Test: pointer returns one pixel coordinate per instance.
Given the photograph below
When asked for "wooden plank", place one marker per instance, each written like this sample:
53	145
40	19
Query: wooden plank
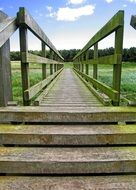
113	94
46	91
120	182
31	58
116	21
32	91
67	135
69	91
5	69
104	101
7	28
106	60
68	114
5	75
133	21
68	160
24	18
3	16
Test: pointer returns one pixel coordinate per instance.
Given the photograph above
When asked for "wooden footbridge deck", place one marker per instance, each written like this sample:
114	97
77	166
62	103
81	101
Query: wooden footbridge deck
69	91
75	136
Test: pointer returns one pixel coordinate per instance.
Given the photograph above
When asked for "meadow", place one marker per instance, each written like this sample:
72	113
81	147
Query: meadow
128	82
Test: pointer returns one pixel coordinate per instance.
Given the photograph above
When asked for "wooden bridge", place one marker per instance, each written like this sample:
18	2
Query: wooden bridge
75	135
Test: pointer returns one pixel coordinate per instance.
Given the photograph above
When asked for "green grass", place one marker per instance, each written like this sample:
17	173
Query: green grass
128	82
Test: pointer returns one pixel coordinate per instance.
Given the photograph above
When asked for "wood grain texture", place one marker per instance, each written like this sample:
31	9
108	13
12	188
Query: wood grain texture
7	28
5	75
117	182
110	92
31	58
46	91
69	91
32	91
104	100
106	60
60	134
68	114
68	160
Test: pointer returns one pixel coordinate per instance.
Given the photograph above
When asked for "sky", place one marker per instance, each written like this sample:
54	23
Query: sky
70	24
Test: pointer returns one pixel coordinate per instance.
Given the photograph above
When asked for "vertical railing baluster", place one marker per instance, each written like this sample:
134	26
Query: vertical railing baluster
44	67
51	65
24	66
117	67
95	67
82	58
87	65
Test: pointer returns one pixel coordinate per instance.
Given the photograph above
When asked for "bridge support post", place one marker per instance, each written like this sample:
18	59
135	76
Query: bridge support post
87	65
44	69
95	69
24	66
51	65
5	70
117	67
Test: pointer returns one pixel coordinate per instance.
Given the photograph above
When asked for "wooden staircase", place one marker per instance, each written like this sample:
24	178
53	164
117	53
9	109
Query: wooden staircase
67	155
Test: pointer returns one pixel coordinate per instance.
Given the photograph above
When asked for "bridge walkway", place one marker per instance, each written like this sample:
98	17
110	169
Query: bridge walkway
69	91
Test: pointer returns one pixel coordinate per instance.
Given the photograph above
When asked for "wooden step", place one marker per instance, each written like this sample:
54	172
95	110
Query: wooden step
67	134
68	114
68	160
126	182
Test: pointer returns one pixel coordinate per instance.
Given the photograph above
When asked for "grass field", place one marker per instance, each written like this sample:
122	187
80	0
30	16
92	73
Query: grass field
128	82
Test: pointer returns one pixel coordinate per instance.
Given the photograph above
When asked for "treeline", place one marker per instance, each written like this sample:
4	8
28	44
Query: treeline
128	54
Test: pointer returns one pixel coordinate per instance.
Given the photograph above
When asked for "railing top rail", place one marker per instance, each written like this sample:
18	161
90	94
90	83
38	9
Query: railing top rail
24	18
115	22
7	27
133	21
3	16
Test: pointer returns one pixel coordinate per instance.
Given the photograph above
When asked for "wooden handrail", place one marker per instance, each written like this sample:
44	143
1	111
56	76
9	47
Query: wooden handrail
25	22
116	21
31	58
116	24
7	28
25	19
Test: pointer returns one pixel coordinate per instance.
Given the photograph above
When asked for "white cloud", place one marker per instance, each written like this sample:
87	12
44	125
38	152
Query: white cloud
72	14
1	9
132	1
49	8
76	2
124	5
109	1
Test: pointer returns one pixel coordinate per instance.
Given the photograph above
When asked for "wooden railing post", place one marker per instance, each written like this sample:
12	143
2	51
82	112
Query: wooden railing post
24	66
87	65
5	70
55	67
82	59
117	67
44	69
51	65
95	68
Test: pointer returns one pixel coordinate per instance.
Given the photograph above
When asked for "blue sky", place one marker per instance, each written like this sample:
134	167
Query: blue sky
71	23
